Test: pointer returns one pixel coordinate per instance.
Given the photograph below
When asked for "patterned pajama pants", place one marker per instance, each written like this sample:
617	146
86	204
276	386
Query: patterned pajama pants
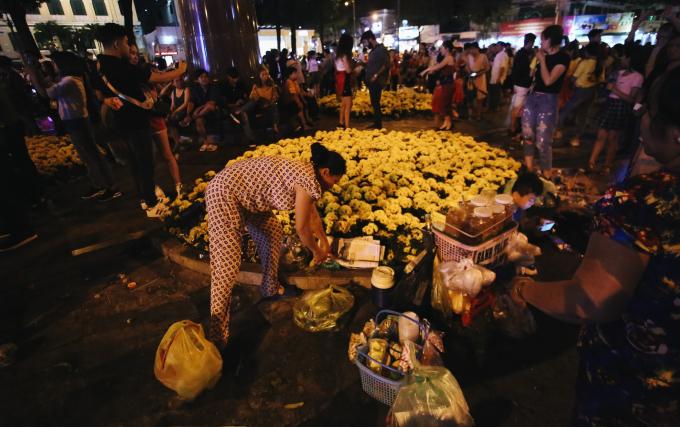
226	220
538	125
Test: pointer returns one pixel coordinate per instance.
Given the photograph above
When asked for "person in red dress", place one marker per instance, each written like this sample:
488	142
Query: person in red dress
443	93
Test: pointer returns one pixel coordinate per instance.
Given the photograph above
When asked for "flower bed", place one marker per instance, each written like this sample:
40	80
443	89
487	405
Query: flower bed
405	101
393	179
53	156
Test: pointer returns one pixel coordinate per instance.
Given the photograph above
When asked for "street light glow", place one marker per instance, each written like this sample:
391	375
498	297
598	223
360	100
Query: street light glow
375	16
346	3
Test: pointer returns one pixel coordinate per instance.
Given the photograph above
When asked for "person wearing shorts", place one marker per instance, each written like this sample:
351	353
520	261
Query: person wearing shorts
617	111
521	76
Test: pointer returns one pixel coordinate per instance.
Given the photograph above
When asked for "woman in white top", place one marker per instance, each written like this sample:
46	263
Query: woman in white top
313	80
343	73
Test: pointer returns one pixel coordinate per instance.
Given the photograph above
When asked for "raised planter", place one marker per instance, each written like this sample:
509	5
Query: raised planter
251	274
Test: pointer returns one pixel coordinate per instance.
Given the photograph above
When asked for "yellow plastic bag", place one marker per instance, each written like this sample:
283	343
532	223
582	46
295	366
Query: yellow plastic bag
186	361
320	310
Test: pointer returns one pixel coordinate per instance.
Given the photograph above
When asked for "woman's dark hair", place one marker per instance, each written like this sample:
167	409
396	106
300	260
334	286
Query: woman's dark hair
69	63
448	45
593	50
554	33
345	45
527	183
322	157
199	72
290	71
258	81
637	58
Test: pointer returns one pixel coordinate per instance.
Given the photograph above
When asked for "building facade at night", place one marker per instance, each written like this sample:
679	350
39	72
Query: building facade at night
68	13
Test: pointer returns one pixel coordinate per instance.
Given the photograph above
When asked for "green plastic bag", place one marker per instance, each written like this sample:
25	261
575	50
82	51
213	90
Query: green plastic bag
431	398
320	310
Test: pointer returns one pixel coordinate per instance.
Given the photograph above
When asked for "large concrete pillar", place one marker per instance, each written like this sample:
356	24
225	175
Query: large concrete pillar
219	34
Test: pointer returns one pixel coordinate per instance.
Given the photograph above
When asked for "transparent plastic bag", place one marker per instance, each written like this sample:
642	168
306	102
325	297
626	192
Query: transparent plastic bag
186	361
431	398
440	299
465	276
320	310
513	320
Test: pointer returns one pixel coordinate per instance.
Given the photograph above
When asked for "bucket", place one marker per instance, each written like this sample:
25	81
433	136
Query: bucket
382	282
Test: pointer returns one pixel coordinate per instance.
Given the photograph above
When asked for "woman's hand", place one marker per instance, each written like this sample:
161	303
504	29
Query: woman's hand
113	103
321	253
540	55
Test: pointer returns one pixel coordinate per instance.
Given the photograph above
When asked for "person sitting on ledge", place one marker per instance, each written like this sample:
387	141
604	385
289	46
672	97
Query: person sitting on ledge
204	110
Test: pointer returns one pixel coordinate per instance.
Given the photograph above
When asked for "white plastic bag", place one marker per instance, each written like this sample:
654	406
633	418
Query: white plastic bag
465	276
520	251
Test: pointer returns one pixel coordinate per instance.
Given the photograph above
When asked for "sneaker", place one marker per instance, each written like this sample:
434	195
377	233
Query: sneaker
109	195
17	242
92	194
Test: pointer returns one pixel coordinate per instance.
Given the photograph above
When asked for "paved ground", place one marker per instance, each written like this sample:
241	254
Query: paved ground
86	343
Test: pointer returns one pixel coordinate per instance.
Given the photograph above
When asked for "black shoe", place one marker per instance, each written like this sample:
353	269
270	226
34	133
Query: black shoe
374	126
109	195
15	242
93	193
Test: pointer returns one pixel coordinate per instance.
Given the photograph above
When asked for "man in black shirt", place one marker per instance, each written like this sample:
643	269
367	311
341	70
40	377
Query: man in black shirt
377	69
121	84
235	91
521	77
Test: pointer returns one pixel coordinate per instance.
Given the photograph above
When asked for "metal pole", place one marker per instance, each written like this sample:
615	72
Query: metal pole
354	18
398	21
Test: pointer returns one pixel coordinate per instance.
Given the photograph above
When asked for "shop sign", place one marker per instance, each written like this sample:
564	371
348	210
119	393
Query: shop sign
167	49
408	33
619	23
520	28
583	24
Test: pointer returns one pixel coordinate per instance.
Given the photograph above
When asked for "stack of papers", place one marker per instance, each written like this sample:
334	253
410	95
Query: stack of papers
358	252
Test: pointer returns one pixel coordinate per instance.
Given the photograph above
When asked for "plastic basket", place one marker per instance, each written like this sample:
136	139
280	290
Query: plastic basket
381	388
490	253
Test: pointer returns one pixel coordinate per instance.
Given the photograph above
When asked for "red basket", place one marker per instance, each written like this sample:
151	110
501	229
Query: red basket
489	254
